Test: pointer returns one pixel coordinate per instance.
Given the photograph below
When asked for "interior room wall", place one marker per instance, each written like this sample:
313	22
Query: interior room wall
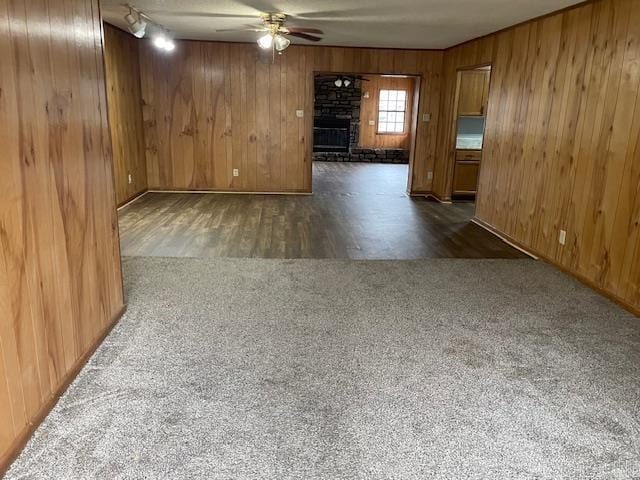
124	97
60	278
210	108
369	136
562	140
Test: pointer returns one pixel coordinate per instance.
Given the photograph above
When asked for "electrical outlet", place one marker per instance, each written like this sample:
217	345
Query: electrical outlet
429	175
236	172
299	113
426	117
130	179
372	123
563	237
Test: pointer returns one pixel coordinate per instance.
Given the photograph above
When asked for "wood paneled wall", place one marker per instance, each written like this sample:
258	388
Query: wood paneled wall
60	279
369	136
210	108
122	70
562	147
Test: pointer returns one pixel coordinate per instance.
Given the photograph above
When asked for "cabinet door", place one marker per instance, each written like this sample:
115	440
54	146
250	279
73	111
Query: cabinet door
465	178
474	88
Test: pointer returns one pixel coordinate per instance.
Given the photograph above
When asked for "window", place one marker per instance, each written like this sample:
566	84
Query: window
391	111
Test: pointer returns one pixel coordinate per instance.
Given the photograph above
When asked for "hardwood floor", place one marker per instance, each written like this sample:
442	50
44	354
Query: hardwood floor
358	211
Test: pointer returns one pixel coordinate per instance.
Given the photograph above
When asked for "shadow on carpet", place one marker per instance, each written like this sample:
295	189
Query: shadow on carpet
322	369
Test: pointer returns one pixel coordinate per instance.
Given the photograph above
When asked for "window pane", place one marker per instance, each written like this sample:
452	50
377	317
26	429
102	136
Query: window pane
391	111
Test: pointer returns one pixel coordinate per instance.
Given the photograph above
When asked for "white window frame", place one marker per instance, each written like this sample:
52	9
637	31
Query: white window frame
392	111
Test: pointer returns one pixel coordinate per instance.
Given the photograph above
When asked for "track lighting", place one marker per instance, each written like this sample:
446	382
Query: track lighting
136	25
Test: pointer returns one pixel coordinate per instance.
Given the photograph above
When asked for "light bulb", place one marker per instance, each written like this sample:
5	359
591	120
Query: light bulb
265	41
164	43
338	83
346	82
281	42
159	42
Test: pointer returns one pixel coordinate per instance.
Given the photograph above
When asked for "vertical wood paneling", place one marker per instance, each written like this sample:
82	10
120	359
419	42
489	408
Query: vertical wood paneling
562	139
124	95
369	138
60	279
253	112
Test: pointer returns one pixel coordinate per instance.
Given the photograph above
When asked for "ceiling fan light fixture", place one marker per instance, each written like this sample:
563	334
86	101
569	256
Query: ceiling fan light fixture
281	42
266	41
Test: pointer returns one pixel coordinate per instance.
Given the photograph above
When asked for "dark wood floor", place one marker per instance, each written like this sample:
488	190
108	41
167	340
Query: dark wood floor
357	211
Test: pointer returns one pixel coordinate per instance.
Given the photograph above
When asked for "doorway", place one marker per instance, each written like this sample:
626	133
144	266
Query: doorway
469	119
364	126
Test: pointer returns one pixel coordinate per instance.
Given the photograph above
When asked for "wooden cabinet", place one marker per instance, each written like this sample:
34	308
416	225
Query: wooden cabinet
465	175
473	155
473	93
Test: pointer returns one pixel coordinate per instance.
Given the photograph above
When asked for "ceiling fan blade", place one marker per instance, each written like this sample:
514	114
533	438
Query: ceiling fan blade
173	13
304	35
242	30
304	30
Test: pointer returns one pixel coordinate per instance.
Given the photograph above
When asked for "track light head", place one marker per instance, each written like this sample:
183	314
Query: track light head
137	26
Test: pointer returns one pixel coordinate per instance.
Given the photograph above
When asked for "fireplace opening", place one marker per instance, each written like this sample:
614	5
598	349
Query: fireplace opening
331	134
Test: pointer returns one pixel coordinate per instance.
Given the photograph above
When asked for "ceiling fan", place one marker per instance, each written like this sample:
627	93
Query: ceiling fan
276	33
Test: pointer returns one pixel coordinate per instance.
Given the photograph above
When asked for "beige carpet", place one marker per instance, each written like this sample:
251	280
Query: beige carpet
316	369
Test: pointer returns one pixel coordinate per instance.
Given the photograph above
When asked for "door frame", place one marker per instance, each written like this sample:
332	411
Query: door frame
413	125
453	127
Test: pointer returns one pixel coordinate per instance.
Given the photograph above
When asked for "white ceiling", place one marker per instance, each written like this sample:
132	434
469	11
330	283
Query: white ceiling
364	23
